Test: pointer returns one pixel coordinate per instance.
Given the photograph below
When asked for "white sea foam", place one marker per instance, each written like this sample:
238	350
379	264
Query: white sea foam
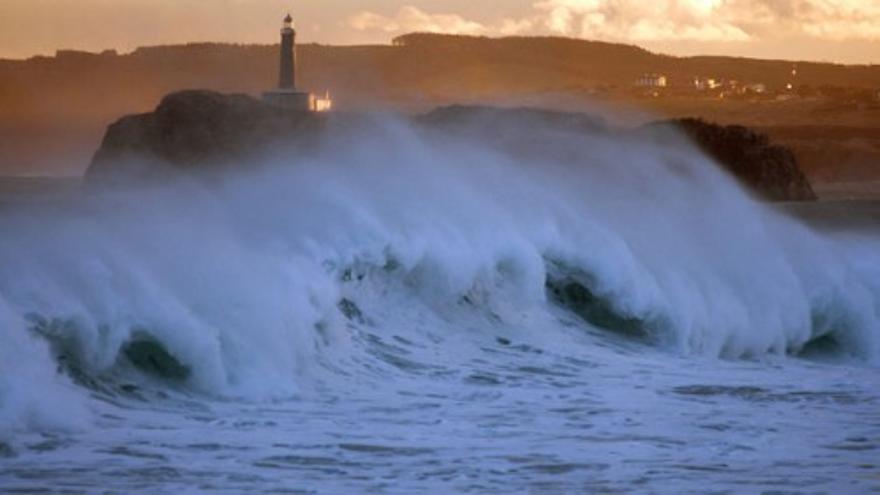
239	277
32	395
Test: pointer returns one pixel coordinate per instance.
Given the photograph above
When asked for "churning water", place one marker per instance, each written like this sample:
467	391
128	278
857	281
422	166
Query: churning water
408	311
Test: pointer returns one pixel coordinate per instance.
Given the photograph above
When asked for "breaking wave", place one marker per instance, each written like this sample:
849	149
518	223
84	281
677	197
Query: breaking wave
262	282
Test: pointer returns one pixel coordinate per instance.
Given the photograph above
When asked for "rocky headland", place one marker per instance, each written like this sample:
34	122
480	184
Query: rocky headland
190	129
198	130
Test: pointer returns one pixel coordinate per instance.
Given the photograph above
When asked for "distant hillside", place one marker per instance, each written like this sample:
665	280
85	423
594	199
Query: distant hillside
548	62
53	109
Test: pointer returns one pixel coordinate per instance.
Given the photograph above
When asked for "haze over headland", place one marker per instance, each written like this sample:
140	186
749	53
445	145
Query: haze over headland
843	31
55	109
557	53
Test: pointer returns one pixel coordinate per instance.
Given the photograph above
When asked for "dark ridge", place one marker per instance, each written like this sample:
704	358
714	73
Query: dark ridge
205	130
192	128
43	120
770	170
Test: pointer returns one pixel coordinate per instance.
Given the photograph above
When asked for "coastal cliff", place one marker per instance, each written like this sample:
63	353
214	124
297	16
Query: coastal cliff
770	170
197	130
191	129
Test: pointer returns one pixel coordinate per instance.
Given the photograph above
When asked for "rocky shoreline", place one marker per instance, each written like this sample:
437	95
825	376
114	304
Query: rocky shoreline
194	130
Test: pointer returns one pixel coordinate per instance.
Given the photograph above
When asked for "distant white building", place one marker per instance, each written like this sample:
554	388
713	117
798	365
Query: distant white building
323	103
706	83
652	80
758	88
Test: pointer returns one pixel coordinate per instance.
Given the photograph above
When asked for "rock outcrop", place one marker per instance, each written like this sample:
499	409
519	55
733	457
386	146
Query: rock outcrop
191	129
771	171
196	130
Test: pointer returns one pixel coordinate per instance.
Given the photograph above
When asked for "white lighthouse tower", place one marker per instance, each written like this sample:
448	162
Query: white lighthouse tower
286	95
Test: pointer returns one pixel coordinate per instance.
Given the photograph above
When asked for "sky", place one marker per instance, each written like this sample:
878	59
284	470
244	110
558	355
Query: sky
845	31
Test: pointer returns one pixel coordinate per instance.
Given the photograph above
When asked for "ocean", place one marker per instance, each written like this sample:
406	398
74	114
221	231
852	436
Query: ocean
403	312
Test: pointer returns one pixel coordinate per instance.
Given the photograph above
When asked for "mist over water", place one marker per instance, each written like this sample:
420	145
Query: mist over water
513	301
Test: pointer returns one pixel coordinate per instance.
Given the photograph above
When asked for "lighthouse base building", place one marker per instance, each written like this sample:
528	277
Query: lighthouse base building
291	99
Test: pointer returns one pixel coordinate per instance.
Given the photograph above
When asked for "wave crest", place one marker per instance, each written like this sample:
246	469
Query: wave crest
251	282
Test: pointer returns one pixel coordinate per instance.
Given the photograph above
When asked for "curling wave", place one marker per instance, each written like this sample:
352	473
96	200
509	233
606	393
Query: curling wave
252	283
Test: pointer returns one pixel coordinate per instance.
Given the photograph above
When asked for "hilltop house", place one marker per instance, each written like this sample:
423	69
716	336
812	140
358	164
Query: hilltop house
652	80
706	83
757	88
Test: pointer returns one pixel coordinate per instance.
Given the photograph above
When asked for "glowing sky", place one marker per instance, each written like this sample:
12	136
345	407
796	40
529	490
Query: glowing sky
832	30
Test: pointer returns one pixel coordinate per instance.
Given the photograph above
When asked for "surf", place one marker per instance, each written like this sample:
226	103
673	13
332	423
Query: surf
260	281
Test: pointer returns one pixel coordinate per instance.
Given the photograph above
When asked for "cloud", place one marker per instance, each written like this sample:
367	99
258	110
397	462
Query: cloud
412	19
841	20
712	20
639	20
656	20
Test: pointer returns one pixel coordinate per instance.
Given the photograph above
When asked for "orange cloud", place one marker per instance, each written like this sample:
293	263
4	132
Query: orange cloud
412	19
842	30
655	20
638	20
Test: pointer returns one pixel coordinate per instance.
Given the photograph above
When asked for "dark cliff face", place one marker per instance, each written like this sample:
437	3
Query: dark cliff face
769	170
203	130
194	129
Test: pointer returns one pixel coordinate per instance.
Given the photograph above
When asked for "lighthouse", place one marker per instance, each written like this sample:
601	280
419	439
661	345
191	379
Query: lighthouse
286	95
287	72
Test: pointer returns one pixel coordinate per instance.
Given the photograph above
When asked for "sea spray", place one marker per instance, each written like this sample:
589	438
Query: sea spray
32	395
251	282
